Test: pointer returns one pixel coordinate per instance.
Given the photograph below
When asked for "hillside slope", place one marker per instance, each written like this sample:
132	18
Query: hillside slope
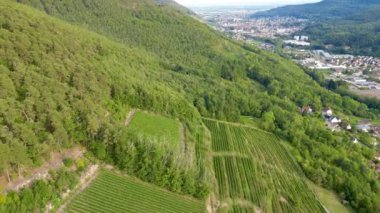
51	72
173	36
342	23
161	60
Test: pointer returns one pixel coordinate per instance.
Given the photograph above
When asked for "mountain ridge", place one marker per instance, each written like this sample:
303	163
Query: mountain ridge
325	9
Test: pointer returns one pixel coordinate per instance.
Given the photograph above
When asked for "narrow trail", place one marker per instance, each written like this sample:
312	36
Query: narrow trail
212	204
85	180
238	125
130	117
182	136
229	154
184	147
42	172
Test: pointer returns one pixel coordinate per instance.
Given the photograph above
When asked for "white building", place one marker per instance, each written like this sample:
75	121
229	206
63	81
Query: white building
355	140
304	38
335	120
327	112
297	42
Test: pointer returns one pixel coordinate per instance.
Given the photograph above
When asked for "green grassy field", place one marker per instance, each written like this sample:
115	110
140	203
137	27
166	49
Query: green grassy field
113	193
156	126
329	199
254	171
248	120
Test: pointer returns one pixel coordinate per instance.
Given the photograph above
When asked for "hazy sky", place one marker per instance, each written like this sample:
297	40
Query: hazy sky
241	2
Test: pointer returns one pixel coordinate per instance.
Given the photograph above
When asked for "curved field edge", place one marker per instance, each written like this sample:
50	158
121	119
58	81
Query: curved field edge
111	192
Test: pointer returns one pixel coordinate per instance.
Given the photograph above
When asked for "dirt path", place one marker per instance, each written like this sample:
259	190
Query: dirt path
84	182
182	140
42	172
229	154
238	125
183	146
129	117
212	203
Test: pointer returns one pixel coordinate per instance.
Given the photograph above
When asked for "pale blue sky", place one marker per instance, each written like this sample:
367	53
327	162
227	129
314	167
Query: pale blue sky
241	2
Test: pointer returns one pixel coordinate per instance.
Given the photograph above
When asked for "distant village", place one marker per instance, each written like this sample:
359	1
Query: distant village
361	72
240	27
249	29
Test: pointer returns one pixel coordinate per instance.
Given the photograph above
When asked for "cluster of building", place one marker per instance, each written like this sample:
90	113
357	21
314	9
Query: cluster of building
320	59
360	82
362	72
334	122
298	41
367	127
362	63
240	26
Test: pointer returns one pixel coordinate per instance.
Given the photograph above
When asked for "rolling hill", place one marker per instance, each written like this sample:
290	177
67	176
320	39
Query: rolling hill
71	70
351	26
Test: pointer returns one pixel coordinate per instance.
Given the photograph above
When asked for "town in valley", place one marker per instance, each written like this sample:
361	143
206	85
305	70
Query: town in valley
362	73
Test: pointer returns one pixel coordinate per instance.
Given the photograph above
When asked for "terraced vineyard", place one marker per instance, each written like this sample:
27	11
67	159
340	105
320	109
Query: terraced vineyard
113	193
254	172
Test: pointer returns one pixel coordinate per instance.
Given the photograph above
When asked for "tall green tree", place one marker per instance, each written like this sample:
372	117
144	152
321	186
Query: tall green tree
5	160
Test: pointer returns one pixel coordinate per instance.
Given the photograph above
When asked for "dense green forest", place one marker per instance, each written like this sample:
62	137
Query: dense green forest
348	23
63	84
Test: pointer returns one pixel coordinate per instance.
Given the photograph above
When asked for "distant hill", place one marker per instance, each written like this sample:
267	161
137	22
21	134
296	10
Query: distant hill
327	9
352	26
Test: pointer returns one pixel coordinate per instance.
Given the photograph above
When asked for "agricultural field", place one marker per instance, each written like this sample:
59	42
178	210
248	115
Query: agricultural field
156	126
114	193
255	173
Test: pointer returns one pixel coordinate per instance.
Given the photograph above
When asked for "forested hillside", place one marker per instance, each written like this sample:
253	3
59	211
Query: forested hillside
341	23
63	84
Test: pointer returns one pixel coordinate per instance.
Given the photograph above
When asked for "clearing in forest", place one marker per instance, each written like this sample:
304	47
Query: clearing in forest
255	173
110	192
156	127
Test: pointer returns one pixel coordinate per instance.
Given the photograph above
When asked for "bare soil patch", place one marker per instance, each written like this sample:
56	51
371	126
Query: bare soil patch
282	199
129	117
84	182
55	162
